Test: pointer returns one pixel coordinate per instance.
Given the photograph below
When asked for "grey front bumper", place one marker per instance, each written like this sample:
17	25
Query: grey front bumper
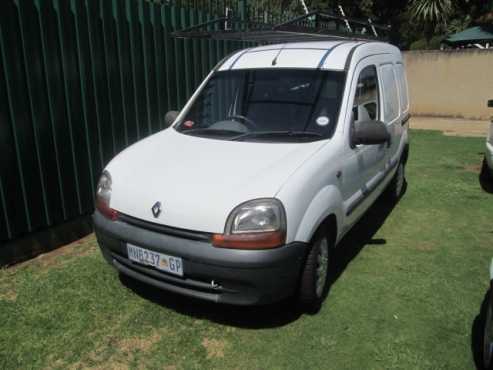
242	277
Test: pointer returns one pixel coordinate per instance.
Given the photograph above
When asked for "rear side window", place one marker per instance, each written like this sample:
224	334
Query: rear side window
402	82
365	107
390	93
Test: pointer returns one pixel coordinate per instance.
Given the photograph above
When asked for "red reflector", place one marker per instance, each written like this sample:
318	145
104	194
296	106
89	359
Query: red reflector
266	240
106	211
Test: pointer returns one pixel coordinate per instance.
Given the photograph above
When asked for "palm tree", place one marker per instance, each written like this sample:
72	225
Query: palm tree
431	11
432	14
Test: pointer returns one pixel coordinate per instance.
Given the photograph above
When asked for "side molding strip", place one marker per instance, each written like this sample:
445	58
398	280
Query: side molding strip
367	191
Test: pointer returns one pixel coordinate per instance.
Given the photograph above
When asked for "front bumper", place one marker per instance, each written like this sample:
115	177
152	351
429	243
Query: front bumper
241	277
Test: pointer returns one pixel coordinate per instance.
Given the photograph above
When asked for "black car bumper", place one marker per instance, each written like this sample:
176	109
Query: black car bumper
241	277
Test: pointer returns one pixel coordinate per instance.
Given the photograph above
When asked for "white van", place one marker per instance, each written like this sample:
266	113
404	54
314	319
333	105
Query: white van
275	157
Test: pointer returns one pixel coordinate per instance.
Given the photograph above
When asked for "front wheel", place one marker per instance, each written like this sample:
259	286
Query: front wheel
488	339
314	277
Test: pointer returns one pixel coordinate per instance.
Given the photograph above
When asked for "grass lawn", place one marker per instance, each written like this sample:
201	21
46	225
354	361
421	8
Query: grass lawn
407	286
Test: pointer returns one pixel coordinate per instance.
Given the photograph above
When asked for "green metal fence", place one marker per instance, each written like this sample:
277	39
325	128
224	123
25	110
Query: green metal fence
79	81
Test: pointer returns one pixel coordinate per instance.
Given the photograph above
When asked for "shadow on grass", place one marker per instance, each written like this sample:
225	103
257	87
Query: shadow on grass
486	178
360	236
277	314
255	317
477	333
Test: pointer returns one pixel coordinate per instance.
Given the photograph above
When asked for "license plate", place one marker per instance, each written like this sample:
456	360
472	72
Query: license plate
163	262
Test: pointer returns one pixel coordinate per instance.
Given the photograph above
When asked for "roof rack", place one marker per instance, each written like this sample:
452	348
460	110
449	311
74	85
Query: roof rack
313	26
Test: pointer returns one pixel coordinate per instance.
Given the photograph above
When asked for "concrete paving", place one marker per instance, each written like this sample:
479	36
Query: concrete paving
451	126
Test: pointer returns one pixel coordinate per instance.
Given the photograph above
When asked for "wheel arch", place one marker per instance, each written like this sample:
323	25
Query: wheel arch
329	227
324	211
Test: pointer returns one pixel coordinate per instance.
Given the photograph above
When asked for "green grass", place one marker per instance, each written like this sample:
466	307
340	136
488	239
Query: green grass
408	285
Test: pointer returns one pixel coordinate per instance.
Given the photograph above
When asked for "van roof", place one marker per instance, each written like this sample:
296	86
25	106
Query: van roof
327	55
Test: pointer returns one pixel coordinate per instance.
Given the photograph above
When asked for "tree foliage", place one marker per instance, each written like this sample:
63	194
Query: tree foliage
410	20
427	11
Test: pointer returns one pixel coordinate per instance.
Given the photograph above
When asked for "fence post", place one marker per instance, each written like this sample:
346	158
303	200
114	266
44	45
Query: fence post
242	9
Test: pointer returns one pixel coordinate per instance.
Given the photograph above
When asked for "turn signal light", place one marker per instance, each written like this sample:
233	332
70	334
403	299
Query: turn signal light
106	211
262	240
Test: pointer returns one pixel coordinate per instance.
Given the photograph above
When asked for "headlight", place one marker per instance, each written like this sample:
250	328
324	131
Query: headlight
103	190
259	215
257	224
103	196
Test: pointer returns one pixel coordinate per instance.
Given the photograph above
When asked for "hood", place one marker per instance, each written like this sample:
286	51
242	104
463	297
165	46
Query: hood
199	180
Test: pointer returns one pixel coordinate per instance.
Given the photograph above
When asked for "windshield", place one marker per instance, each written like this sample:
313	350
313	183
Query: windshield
266	105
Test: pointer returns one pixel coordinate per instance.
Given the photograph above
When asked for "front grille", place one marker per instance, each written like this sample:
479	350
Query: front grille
163	229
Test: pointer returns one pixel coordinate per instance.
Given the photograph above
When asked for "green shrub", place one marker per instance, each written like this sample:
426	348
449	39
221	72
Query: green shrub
423	44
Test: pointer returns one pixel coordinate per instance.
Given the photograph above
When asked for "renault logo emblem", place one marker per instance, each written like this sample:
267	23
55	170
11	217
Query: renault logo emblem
156	209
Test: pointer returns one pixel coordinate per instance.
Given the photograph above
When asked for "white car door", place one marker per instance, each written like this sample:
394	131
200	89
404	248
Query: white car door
365	164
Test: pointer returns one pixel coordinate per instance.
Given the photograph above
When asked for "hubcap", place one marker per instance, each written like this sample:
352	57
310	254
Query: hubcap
322	266
488	339
400	180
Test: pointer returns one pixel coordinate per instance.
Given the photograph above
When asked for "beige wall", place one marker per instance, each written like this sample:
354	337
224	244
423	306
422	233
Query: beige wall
450	83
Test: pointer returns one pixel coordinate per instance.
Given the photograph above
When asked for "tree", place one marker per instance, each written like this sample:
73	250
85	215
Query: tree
431	14
431	11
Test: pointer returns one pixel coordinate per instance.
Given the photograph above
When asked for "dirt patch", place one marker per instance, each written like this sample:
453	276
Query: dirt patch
214	347
61	256
138	344
425	246
8	295
125	350
474	168
105	366
8	291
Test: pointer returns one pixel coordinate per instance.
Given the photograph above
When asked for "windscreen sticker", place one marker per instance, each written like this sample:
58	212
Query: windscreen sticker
323	121
188	124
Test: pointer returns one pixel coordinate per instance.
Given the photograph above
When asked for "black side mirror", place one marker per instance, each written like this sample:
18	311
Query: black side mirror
369	133
490	103
170	117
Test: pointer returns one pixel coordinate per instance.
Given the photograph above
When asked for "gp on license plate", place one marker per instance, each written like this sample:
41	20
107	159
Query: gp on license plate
160	261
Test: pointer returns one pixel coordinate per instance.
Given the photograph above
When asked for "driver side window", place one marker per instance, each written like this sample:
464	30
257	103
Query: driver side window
366	102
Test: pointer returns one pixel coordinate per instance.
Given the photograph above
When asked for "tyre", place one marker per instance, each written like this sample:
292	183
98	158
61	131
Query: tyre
314	277
395	189
486	177
486	171
488	339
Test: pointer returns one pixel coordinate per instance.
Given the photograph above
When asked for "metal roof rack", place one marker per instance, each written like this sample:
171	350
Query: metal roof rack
312	26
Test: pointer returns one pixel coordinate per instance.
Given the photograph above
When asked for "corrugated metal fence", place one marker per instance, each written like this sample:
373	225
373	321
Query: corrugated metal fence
79	81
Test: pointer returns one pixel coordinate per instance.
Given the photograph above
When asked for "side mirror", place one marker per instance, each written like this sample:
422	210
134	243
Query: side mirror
170	117
369	133
490	103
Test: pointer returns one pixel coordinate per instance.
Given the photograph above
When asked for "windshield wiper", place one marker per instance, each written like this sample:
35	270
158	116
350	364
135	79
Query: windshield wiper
213	131
293	134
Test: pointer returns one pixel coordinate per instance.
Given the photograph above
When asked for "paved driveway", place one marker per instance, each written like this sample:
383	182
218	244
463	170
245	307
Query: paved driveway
451	126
